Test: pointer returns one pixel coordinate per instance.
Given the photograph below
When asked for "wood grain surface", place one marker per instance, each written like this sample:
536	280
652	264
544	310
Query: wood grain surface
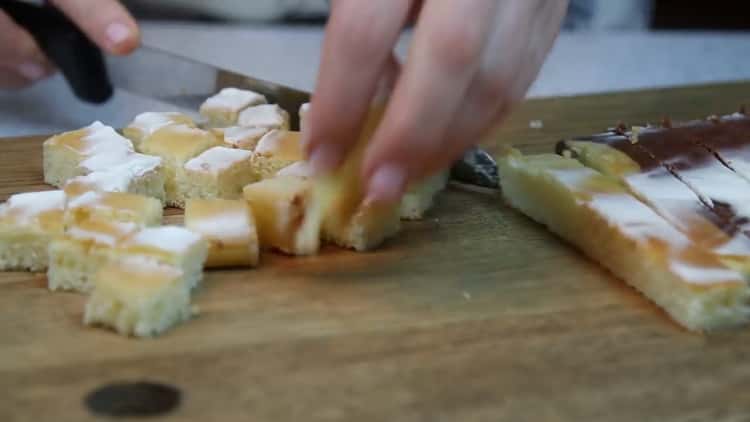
475	313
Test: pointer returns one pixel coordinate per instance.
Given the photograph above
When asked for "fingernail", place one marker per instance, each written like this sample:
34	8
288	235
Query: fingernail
117	33
324	159
386	185
31	71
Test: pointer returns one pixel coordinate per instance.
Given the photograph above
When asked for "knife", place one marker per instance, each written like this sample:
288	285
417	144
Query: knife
175	80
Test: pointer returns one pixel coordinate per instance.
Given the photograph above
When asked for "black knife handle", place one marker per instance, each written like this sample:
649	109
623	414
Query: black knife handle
77	58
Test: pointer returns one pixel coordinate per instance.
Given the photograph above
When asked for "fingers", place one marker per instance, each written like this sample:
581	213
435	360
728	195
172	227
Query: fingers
443	61
508	68
106	22
21	60
357	48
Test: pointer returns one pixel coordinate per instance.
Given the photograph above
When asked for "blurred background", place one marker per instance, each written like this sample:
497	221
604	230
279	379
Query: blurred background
606	45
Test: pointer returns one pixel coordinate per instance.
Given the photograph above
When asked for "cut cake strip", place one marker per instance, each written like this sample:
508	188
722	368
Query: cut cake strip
597	215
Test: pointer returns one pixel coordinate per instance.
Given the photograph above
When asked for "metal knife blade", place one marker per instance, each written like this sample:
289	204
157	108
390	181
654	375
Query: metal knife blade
186	83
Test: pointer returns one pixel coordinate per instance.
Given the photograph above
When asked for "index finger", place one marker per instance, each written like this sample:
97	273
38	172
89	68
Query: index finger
106	22
357	47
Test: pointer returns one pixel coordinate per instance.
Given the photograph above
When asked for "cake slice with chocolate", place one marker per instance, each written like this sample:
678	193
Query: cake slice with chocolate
678	149
710	226
597	215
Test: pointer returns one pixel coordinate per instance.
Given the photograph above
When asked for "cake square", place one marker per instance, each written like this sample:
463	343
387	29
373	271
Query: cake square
28	223
137	296
113	206
136	173
276	150
363	230
228	227
240	137
279	206
269	116
63	154
176	145
145	124
223	109
218	173
420	197
169	245
81	252
359	227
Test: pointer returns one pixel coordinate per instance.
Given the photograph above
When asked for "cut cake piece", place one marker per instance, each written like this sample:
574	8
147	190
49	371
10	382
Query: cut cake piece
276	150
28	223
279	205
228	227
138	296
218	173
176	145
420	196
336	211
597	215
223	109
145	124
169	245
240	137
113	206
80	253
64	154
269	116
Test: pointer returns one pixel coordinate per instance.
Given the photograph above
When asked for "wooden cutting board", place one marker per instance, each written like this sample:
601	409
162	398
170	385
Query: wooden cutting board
475	313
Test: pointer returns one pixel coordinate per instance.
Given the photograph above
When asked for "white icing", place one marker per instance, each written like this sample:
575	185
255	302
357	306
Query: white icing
228	225
713	181
119	231
148	266
635	219
88	199
101	139
233	99
107	181
704	275
150	122
237	135
266	115
172	239
218	159
103	160
29	205
299	169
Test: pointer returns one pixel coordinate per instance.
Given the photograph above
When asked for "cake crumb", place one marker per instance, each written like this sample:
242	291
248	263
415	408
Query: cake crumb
466	295
536	124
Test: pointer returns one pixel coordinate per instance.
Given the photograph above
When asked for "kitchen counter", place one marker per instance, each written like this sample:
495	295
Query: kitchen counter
580	63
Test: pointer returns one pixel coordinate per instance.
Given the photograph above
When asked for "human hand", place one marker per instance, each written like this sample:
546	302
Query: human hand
468	66
106	22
